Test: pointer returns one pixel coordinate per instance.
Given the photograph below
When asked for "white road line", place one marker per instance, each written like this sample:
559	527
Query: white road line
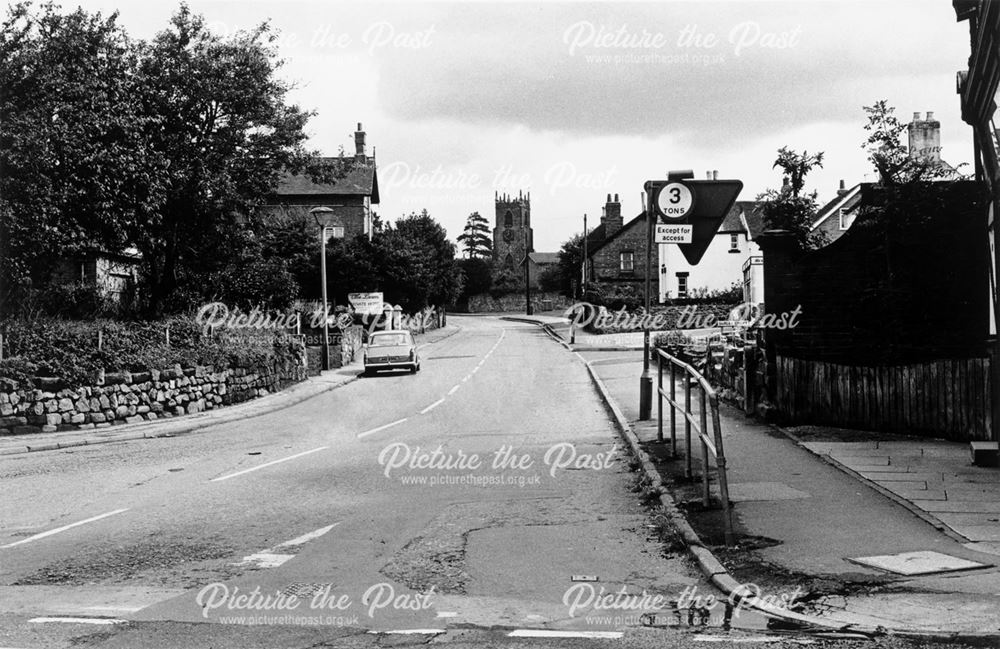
447	614
541	633
263	560
127	609
63	528
305	538
432	406
77	620
467	377
375	430
454	389
267	464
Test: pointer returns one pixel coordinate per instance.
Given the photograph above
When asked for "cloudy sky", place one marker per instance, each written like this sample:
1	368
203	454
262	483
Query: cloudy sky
573	101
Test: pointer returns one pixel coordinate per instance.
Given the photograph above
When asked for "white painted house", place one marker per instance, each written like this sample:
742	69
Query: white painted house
731	258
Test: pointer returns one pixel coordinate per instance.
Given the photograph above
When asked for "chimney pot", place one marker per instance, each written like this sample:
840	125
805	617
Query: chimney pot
609	199
715	174
842	184
708	175
916	117
616	198
930	115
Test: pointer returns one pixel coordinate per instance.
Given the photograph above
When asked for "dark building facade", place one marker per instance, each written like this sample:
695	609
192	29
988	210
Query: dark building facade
351	197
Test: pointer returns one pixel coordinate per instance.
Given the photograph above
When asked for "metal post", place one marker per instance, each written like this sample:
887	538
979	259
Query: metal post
705	499
687	424
720	463
583	281
326	308
673	410
659	399
527	277
646	381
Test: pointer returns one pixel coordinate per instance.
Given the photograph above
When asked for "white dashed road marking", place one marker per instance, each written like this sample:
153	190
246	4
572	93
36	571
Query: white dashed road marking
77	620
63	528
541	633
267	464
432	406
454	390
274	556
375	430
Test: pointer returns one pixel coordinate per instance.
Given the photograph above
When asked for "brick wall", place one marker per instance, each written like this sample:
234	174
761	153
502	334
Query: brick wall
606	260
882	294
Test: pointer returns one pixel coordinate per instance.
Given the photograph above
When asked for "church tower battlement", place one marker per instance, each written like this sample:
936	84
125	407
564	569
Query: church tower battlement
512	234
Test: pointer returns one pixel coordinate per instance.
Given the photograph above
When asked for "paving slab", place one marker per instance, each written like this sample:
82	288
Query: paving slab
978	532
764	491
959	506
901	476
918	563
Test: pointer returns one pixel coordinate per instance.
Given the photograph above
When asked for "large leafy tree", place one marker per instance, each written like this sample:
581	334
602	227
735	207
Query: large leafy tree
76	169
224	133
418	263
475	238
791	208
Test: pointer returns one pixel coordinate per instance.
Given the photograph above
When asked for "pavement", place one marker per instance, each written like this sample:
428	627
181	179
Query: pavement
846	515
173	426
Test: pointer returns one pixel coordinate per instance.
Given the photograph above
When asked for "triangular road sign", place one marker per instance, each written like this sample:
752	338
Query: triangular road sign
703	204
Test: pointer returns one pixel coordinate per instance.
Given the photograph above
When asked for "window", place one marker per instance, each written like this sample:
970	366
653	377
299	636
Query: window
845	219
682	284
508	262
626	261
734	243
508	220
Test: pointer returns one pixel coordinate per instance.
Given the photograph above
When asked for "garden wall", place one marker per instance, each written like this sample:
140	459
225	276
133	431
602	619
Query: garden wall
130	397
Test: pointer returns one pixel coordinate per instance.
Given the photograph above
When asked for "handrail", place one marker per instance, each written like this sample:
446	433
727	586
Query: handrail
697	422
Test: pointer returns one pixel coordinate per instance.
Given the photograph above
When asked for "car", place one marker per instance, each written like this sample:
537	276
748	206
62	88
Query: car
392	349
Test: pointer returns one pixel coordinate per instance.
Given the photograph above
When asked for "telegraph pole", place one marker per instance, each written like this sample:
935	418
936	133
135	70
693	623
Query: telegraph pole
527	277
583	279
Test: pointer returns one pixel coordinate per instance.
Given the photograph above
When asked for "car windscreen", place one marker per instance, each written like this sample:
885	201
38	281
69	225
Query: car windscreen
386	340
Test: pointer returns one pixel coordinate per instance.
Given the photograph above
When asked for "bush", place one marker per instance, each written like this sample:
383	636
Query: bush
68	349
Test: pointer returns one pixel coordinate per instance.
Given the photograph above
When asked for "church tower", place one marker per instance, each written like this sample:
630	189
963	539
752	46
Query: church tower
512	236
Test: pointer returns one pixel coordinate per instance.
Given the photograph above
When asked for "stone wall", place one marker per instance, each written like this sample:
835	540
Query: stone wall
541	301
131	397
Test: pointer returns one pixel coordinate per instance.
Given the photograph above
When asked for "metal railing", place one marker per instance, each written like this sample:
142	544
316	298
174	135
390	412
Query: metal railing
710	445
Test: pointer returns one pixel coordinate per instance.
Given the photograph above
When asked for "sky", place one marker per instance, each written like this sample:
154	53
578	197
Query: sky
573	101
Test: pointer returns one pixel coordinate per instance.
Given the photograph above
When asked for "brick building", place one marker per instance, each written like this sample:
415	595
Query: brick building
616	251
351	197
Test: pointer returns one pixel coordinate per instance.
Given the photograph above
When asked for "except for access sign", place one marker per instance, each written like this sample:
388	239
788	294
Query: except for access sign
673	233
674	201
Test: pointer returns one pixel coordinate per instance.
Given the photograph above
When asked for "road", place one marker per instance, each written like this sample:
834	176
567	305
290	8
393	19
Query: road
483	497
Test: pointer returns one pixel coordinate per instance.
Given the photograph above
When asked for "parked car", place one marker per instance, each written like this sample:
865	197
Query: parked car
387	350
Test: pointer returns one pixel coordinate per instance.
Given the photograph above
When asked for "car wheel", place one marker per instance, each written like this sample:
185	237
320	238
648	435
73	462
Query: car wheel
414	369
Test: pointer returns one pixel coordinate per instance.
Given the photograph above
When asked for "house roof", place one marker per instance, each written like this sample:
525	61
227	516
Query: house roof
361	180
734	221
595	246
544	258
846	201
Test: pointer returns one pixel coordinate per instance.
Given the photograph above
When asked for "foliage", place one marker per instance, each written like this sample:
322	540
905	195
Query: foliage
894	163
790	208
478	274
68	349
570	262
507	281
552	279
417	263
476	237
702	295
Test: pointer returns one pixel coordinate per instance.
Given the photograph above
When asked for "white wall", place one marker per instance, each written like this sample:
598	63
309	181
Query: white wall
717	270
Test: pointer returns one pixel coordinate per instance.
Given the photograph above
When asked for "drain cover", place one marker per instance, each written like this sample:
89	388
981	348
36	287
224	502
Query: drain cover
305	591
923	562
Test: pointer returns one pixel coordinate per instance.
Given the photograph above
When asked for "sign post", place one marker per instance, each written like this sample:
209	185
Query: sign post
686	213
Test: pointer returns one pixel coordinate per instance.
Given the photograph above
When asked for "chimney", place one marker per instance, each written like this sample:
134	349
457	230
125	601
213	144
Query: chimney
612	219
708	175
842	190
925	137
715	174
359	144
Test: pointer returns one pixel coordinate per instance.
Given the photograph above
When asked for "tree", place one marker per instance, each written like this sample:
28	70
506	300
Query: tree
476	237
892	160
570	266
77	171
223	133
418	266
791	208
478	275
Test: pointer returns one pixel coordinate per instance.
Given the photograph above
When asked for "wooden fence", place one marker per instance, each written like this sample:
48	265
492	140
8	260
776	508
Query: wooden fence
945	398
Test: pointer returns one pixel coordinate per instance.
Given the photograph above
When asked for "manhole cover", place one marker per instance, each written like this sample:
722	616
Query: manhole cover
305	591
923	562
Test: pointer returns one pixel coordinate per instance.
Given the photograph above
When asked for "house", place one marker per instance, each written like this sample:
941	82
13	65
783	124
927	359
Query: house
924	142
978	87
350	198
731	258
538	263
114	274
616	251
837	216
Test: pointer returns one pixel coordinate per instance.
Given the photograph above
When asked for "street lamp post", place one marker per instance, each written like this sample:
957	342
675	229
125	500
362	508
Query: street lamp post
322	216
